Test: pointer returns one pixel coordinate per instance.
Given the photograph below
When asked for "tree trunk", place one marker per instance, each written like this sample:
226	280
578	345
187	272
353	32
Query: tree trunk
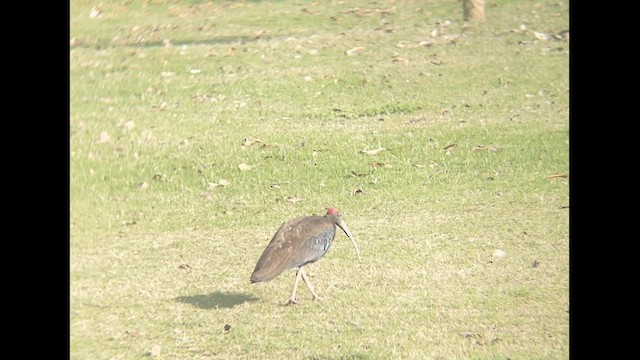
473	10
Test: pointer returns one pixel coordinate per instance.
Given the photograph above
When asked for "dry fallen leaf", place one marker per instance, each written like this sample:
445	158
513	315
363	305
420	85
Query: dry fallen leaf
143	185
222	182
483	147
355	51
155	350
379	164
279	185
372	152
557	175
104	137
499	254
259	34
369	12
415	120
227	327
294	199
127	125
184	266
355	174
95	13
541	35
469	334
400	59
405	44
244	167
251	141
269	146
357	191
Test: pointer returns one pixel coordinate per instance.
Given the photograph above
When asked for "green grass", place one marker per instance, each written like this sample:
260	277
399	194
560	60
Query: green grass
161	253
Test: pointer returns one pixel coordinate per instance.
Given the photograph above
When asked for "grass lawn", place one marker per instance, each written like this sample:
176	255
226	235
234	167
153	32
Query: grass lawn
197	128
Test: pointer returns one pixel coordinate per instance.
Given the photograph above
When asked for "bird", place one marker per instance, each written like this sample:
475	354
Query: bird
297	243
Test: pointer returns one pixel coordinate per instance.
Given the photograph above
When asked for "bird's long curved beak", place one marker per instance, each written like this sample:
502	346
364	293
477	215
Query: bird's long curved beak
344	228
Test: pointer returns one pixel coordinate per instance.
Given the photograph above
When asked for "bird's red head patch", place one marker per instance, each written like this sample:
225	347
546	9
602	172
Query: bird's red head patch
332	211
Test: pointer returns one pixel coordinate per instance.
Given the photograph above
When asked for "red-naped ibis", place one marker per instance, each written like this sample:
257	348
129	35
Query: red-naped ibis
298	242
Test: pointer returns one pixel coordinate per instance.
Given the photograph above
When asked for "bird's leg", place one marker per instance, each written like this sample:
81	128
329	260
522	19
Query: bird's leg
305	278
292	299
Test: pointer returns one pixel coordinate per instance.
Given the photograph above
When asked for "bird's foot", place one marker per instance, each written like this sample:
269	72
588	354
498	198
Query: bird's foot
292	301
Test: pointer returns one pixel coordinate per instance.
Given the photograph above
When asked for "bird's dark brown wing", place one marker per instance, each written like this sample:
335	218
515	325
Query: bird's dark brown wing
297	242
